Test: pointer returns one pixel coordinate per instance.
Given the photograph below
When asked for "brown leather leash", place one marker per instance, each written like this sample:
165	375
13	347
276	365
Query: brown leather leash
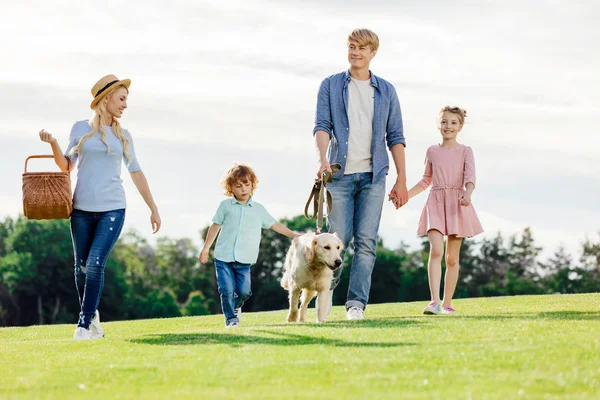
318	195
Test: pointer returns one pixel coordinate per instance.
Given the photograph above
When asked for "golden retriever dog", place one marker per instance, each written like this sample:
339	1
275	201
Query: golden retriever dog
308	269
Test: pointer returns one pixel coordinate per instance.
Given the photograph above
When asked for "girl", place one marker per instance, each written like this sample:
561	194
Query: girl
450	166
98	147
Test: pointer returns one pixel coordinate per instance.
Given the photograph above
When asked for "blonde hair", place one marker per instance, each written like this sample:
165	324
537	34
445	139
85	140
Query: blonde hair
460	112
96	124
364	37
238	173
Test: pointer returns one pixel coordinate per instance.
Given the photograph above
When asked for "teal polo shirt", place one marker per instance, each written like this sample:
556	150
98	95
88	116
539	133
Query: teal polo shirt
241	229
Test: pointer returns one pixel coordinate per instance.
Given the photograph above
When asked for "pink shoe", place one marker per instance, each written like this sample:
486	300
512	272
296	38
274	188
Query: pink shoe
432	308
448	310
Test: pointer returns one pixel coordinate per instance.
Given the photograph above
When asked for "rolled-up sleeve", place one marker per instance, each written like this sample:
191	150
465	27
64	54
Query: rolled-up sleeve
395	129
428	174
323	120
219	217
132	163
267	219
73	142
469	167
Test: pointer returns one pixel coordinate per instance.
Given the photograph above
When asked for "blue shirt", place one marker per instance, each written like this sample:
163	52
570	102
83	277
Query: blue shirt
239	239
99	185
332	117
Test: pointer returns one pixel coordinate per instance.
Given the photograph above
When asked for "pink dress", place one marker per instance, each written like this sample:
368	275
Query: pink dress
448	171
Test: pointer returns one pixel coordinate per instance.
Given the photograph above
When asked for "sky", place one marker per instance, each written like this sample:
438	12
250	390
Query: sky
215	83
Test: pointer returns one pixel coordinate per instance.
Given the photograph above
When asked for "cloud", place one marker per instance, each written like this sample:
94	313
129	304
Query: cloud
219	82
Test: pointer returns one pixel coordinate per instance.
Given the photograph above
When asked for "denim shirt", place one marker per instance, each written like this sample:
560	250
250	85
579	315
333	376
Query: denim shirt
332	117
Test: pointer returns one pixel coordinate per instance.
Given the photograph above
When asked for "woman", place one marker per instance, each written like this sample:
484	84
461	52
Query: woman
98	147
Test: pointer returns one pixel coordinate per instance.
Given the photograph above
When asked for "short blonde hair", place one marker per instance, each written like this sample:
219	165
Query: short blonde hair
238	173
364	37
460	112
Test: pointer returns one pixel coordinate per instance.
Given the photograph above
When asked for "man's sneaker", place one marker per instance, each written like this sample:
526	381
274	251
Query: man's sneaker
448	310
432	308
96	330
82	334
232	324
238	313
354	313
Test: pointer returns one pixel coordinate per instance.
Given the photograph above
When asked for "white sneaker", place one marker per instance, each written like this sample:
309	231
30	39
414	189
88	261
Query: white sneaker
238	313
96	330
82	334
232	325
354	313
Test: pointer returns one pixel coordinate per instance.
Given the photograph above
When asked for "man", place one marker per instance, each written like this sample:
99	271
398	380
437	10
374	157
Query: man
358	114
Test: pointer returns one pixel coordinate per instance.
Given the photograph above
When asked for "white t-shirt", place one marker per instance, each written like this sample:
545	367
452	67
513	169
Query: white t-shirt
361	101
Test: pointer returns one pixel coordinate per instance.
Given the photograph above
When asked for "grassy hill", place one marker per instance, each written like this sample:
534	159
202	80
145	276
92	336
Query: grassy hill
529	347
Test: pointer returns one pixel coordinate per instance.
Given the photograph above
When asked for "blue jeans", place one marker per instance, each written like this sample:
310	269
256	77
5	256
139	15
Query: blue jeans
233	279
357	205
94	235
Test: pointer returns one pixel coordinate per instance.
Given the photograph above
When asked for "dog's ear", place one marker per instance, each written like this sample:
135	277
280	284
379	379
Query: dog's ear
311	250
339	239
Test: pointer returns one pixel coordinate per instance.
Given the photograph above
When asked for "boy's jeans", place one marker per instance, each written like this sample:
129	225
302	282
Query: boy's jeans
357	205
94	235
233	279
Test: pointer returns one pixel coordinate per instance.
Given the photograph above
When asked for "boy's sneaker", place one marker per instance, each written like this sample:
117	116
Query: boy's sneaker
96	330
238	313
82	334
232	324
354	313
432	308
448	310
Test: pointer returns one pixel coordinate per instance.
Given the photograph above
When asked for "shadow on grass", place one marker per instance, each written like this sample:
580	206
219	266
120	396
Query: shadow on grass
237	340
571	315
558	315
398	322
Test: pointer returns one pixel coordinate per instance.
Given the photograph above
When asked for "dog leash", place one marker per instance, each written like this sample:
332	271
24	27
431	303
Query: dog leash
318	195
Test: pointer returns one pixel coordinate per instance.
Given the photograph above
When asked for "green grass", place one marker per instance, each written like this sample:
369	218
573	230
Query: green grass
530	347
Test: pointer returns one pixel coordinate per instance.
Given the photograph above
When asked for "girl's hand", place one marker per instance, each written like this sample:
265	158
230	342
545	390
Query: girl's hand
155	221
47	137
203	257
465	200
392	197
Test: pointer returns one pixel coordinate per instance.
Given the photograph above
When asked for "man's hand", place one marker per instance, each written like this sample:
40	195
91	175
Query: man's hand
399	194
323	166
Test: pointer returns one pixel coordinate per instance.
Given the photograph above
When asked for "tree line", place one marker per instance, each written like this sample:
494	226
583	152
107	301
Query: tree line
167	280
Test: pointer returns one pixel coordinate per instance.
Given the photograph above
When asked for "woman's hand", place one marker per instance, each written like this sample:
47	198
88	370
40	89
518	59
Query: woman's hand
47	137
155	221
465	200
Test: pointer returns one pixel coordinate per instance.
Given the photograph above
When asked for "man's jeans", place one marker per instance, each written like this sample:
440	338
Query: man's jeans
233	279
94	235
357	205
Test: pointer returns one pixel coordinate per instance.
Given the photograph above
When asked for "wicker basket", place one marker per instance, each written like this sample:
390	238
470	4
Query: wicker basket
46	195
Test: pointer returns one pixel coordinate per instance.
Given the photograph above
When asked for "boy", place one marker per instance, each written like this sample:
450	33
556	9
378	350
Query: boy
240	220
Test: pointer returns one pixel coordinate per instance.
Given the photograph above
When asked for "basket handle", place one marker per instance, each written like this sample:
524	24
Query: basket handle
42	156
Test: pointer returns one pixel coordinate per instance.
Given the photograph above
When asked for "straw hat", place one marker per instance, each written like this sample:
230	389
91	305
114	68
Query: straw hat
100	89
